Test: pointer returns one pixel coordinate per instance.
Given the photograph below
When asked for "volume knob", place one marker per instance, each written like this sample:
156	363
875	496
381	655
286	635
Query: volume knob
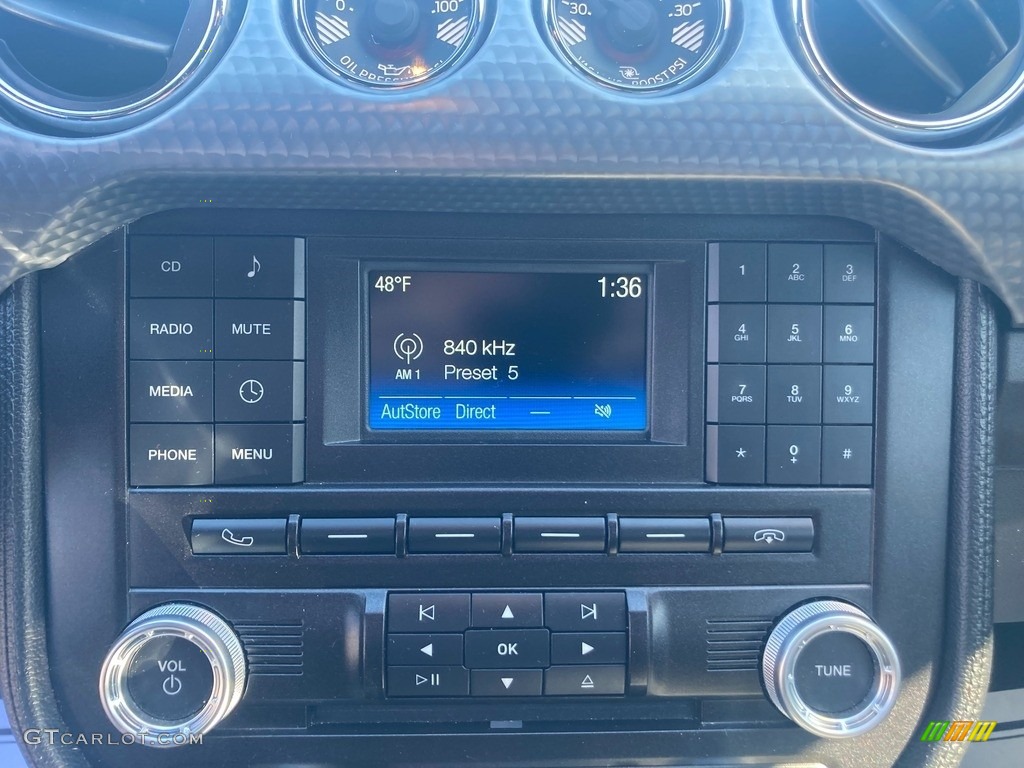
177	670
828	667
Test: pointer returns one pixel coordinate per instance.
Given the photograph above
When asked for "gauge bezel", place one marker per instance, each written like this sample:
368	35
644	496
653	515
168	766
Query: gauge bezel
324	64
697	72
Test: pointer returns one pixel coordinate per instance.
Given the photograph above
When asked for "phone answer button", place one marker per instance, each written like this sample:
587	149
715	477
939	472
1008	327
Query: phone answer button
238	537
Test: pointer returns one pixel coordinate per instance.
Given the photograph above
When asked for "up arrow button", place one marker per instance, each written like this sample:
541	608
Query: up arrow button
505	610
507	613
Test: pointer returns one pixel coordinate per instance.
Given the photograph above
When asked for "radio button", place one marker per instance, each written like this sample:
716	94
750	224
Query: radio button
849	273
793	455
260	329
171	391
736	394
605	680
794	273
737	272
499	649
661	534
559	534
849	334
260	454
428	681
846	456
239	537
261	267
849	394
175	267
768	534
171	454
350	536
171	329
735	455
455	535
508	610
428	612
507	682
736	333
794	334
261	392
443	650
585	611
589	648
794	394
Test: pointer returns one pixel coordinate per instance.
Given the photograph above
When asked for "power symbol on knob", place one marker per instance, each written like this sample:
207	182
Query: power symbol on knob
172	685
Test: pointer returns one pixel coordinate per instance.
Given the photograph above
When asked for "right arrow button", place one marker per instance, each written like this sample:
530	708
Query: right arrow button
588	648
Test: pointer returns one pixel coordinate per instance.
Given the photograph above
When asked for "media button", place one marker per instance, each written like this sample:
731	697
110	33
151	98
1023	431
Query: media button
261	329
260	454
171	391
171	454
428	612
173	267
171	329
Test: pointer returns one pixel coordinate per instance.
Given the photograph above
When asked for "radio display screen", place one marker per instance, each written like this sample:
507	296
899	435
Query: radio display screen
511	351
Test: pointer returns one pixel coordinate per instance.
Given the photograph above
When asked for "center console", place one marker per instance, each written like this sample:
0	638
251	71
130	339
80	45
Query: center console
397	478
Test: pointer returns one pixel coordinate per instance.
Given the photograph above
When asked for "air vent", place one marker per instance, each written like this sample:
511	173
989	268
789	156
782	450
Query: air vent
932	66
75	63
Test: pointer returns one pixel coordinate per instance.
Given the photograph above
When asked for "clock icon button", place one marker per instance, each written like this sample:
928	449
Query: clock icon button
251	391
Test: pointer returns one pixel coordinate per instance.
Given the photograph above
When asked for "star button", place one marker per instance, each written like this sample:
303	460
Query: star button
741	453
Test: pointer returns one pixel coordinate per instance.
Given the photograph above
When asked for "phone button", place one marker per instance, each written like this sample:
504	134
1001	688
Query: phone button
768	534
238	537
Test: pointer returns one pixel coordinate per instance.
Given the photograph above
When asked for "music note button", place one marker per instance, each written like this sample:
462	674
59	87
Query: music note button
260	267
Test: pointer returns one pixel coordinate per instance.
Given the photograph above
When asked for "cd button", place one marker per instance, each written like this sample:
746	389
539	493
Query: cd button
455	535
585	611
175	267
588	648
508	610
507	682
428	681
559	534
605	680
498	649
428	612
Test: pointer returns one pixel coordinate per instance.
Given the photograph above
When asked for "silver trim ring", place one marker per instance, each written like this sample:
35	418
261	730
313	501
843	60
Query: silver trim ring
811	48
788	640
206	631
218	12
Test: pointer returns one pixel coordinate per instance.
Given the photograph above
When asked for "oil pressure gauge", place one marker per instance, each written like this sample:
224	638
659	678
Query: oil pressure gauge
389	43
638	45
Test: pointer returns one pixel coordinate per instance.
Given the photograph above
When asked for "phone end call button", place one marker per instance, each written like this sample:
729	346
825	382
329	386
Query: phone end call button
768	534
239	537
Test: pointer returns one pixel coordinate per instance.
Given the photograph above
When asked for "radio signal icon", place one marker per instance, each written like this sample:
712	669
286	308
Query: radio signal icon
408	347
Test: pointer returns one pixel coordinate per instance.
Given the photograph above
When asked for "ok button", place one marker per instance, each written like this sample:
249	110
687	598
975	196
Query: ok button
508	649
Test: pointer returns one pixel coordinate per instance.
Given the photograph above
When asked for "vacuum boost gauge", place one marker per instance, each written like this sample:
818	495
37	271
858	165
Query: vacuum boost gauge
638	45
389	43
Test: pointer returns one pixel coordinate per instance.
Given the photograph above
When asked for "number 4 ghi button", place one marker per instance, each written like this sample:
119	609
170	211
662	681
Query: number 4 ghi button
735	455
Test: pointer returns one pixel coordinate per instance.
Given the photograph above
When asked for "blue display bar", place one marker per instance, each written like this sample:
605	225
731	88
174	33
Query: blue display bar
524	413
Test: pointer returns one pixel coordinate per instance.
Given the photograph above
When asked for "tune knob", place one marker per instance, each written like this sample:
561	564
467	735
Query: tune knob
830	669
177	670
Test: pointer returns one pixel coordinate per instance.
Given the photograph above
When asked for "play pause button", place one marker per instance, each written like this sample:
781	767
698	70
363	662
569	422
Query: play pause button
428	681
508	682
